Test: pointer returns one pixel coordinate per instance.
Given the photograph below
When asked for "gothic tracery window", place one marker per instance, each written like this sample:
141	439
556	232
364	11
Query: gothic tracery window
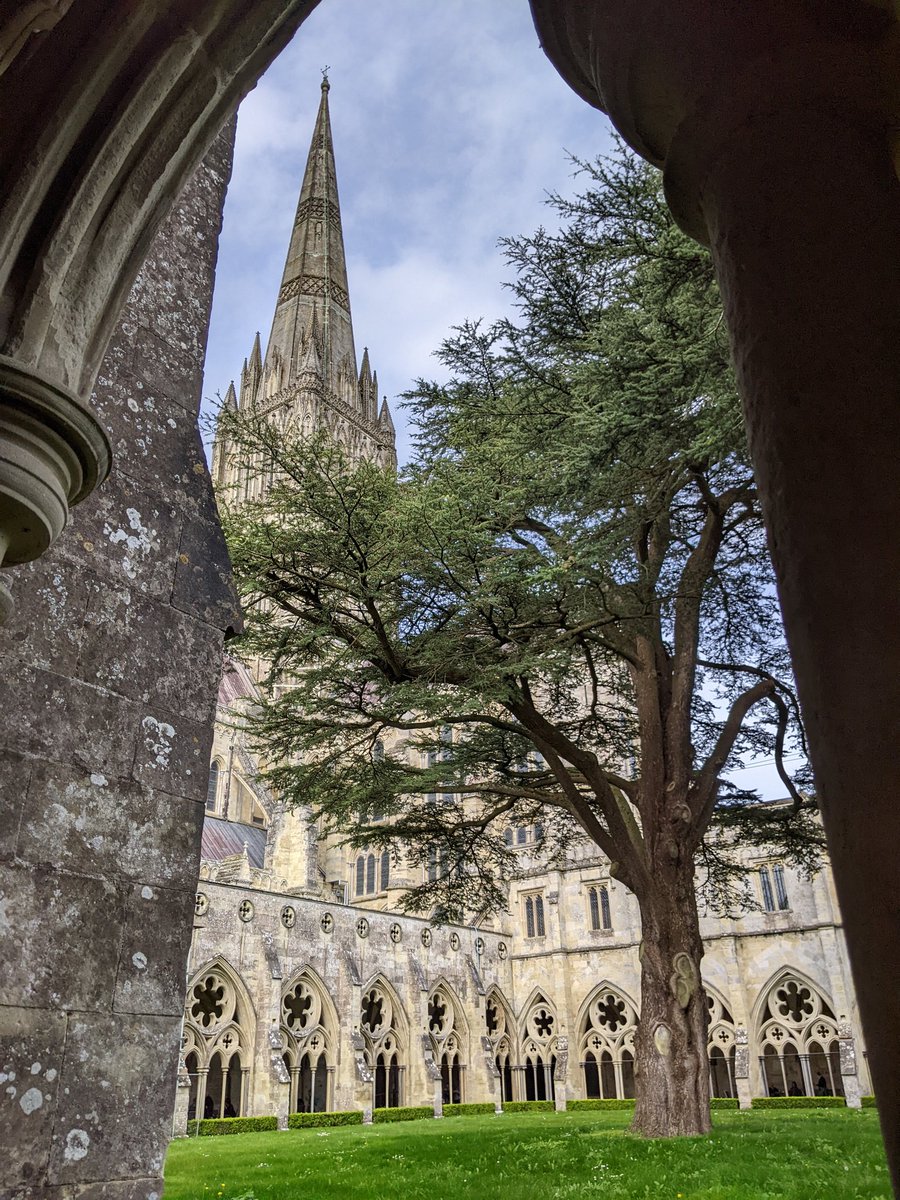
217	1039
446	1035
539	1050
607	1046
721	1047
380	1025
798	1038
306	1044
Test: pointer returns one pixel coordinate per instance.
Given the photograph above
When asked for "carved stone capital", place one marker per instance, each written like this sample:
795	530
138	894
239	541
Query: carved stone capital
53	453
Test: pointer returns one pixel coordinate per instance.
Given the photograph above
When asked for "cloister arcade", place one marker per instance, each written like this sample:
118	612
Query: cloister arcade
793	1037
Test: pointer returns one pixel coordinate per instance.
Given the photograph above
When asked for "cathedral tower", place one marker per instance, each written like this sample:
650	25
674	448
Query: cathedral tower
308	380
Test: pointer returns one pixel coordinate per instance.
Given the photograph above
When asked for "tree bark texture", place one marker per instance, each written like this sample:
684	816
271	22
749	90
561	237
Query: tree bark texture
671	1063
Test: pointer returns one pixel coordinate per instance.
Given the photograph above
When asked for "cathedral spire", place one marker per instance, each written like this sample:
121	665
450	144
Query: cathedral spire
315	271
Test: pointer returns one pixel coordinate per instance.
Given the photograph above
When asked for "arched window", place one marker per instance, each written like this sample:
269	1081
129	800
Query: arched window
360	874
798	1037
212	788
435	868
594	905
522	835
538	1048
445	1033
497	1024
508	835
215	1028
773	888
607	1046
379	1027
370	874
539	915
721	1045
605	914
307	1045
385	871
529	916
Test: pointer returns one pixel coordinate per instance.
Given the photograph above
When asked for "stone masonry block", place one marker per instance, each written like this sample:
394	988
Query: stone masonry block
138	647
31	1051
173	753
44	917
75	820
128	535
116	1068
155	946
62	720
15	774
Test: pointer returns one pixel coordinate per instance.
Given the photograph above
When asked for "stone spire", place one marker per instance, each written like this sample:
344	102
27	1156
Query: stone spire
315	276
308	380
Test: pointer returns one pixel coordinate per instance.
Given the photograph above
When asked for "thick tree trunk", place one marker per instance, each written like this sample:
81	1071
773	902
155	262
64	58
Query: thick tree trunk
671	1062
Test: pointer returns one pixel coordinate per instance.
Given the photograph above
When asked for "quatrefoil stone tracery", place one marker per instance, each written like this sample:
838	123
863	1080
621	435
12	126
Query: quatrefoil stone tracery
611	1013
208	1004
437	1013
298	1007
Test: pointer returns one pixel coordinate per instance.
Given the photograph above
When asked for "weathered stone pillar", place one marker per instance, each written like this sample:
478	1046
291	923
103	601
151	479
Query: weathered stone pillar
742	1068
108	681
182	1101
849	1070
808	267
495	1083
561	1074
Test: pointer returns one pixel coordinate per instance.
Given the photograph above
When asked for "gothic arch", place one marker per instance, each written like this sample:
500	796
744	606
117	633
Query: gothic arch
384	1027
309	1039
607	1024
500	1029
796	1035
721	1043
448	1031
218	1038
538	1030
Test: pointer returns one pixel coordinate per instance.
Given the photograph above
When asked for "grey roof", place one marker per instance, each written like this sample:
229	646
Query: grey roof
221	839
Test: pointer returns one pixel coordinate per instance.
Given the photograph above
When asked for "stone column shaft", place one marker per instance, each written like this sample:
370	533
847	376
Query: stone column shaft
803	212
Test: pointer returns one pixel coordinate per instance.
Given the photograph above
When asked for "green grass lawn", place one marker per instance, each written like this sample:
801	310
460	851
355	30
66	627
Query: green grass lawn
800	1155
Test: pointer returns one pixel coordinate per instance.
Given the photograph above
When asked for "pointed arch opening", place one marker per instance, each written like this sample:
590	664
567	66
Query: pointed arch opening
797	1039
219	1028
309	1034
500	1031
606	1045
384	1027
538	1032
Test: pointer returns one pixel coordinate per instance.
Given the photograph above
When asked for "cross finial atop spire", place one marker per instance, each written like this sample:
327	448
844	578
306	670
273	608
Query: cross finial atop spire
325	84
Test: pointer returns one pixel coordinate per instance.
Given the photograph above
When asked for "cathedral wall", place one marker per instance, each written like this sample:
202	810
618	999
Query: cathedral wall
347	950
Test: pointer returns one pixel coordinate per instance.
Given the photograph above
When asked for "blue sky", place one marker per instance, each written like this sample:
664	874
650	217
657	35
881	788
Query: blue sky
450	125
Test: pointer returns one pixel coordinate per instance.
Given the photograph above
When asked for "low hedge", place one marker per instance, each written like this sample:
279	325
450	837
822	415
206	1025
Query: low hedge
529	1106
597	1105
381	1116
321	1120
781	1102
868	1101
217	1126
467	1110
723	1102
